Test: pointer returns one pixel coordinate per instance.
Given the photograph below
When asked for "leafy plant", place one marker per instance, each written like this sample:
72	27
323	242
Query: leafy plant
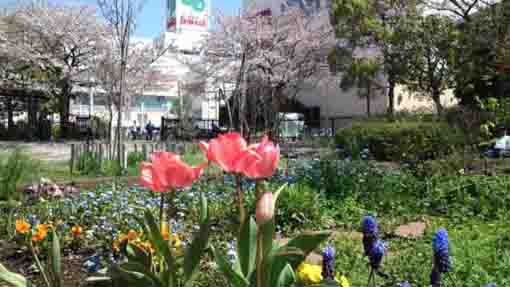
12	278
163	268
135	158
89	164
261	261
398	141
13	170
300	207
51	272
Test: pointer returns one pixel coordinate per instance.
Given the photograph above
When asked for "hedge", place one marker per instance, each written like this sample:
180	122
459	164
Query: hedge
400	141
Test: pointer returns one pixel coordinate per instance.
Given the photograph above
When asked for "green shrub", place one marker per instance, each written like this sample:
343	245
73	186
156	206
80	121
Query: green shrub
397	141
15	169
299	206
111	168
135	158
89	164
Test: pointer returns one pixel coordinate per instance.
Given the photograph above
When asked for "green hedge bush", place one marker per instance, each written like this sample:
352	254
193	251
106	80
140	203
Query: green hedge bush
396	141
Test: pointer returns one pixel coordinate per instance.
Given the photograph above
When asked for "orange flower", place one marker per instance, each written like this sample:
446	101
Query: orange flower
132	235
123	237
22	226
76	230
115	246
164	231
42	232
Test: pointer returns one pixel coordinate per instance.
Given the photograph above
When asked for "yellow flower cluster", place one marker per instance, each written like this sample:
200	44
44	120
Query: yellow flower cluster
135	238
311	274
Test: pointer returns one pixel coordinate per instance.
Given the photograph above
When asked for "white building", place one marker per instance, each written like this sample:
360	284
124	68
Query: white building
186	24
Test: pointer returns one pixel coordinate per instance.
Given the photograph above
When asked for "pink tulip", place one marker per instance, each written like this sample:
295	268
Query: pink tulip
259	160
167	171
225	150
265	208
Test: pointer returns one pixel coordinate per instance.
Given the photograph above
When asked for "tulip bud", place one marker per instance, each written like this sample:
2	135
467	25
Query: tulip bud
265	208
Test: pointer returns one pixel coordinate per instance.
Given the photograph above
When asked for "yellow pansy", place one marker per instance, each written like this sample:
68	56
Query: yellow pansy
309	273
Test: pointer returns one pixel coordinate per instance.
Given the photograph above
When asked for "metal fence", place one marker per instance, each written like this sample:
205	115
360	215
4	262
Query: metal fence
195	128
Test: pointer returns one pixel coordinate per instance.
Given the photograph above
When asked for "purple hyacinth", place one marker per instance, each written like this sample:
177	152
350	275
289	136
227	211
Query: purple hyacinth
328	263
440	246
369	226
405	284
376	254
490	285
370	233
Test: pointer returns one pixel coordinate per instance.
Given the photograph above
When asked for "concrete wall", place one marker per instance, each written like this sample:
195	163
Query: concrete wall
335	102
408	101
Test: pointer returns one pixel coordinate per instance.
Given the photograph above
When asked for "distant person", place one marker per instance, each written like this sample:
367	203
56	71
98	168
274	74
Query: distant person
149	128
215	130
135	130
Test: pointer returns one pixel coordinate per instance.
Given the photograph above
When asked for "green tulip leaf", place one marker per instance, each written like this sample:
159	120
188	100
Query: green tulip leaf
12	278
247	247
199	244
235	279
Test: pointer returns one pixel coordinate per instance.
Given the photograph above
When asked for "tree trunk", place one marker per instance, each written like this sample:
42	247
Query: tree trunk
275	109
65	100
110	129
391	98
436	97
10	117
31	118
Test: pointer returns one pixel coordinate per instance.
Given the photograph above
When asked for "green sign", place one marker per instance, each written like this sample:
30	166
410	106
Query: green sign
197	5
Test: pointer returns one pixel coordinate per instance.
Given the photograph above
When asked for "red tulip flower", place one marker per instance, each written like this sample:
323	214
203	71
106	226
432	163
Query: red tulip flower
225	150
259	160
167	171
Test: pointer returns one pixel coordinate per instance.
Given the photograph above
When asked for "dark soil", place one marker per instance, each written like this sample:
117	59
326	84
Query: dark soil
21	262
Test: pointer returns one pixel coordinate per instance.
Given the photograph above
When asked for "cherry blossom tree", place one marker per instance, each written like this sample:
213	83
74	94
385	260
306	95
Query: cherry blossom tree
129	60
107	75
64	38
276	51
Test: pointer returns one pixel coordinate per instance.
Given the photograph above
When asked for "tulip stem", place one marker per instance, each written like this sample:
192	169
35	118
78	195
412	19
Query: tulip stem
370	276
259	257
39	265
161	209
240	200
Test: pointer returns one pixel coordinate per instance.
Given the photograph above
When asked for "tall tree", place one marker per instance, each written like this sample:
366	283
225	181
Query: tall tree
374	30
364	74
278	51
65	36
432	57
482	26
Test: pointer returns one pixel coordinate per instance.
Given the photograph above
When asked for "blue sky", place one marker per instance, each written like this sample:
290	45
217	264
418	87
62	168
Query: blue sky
150	21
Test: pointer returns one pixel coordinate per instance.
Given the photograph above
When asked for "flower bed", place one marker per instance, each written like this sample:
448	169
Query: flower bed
121	224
